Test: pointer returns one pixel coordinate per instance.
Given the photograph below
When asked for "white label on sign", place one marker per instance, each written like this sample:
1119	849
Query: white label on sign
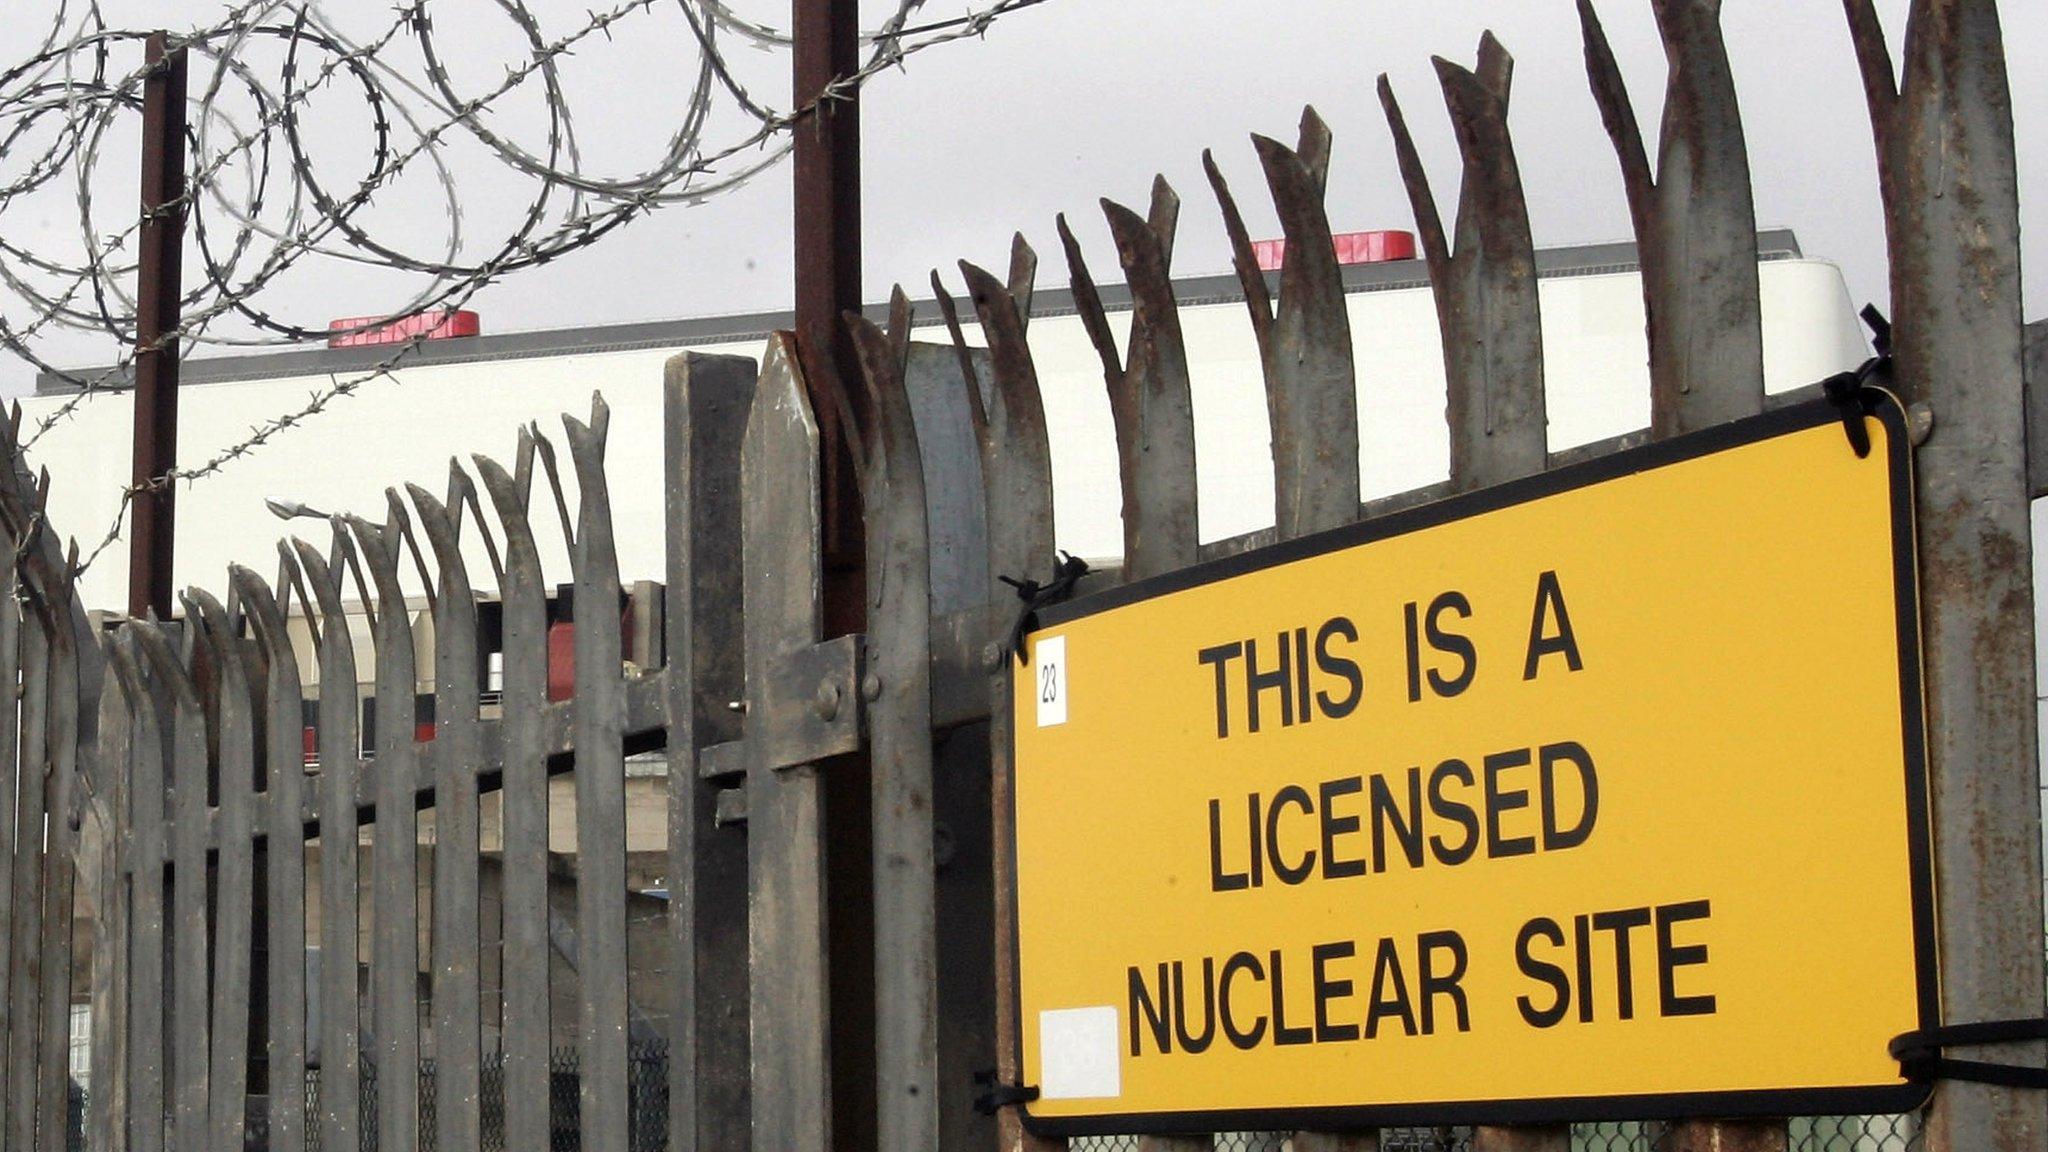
1051	671
1078	1054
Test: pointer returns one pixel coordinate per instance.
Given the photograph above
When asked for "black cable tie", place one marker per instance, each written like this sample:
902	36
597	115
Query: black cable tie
999	1095
1920	1059
1853	392
1880	330
1845	391
1066	573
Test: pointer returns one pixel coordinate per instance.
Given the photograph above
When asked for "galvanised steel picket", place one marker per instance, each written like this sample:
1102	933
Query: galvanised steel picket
161	799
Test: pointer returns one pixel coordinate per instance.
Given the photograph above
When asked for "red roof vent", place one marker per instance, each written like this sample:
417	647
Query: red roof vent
436	324
1352	248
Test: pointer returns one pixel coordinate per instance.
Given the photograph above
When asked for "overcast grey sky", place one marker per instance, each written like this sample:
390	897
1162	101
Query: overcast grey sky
1076	99
1089	98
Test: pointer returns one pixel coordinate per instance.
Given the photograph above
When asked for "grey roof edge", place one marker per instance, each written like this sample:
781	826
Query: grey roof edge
1573	260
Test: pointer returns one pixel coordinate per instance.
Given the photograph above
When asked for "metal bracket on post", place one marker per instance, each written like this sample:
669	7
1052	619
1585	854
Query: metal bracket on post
815	710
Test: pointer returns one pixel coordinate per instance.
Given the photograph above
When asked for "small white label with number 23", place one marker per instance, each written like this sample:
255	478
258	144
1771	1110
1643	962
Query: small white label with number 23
1051	676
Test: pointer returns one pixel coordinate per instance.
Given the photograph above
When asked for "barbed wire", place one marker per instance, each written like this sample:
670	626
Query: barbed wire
259	206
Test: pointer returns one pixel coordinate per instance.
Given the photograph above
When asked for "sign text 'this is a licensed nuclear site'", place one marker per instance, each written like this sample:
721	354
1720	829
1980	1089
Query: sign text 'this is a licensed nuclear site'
1595	795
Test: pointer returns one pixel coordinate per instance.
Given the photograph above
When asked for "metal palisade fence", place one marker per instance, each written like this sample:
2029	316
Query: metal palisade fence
158	808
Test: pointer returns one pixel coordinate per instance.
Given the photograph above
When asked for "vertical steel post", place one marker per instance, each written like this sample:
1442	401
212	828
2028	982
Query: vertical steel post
896	665
789	1015
110	852
339	1043
50	589
394	857
1949	173
526	1017
708	399
144	1126
828	284
226	701
827	250
11	794
455	946
1016	471
1695	225
283	892
598	711
1311	378
156	325
1484	280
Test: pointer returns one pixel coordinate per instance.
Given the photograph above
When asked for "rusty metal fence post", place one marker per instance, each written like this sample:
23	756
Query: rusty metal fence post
1948	171
1492	330
1696	243
157	338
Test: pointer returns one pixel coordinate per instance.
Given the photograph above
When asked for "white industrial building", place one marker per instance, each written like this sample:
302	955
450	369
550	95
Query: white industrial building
458	396
470	394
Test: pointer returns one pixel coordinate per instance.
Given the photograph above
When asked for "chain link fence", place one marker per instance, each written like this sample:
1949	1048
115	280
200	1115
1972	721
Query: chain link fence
647	1082
1805	1134
648	1124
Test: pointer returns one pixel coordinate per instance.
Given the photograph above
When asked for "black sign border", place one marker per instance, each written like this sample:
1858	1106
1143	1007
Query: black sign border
1758	1103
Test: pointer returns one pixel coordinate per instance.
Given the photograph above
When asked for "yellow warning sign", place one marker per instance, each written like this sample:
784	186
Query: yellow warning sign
1599	795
